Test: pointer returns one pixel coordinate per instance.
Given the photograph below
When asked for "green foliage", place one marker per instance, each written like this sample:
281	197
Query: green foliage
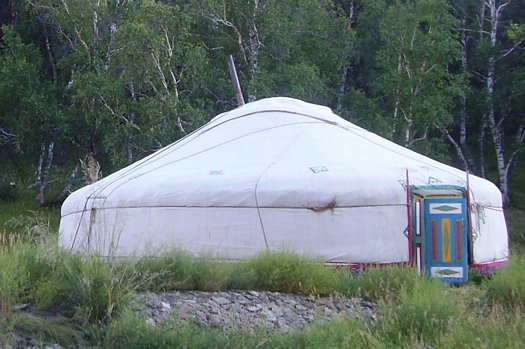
415	79
8	190
507	286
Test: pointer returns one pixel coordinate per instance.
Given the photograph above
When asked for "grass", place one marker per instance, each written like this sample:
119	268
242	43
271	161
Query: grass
84	301
516	226
507	287
24	218
88	298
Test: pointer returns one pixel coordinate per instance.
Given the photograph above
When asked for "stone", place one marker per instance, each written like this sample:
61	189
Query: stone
254	308
246	309
220	300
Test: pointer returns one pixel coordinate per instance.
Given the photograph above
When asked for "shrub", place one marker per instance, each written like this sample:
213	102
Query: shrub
8	190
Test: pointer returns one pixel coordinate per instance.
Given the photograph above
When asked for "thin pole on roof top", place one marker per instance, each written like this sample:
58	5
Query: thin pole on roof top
235	81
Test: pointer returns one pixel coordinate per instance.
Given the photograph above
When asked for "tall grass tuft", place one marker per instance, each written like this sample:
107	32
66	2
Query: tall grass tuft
55	329
423	313
507	286
383	283
286	272
210	274
341	333
171	270
131	332
88	289
274	271
497	327
15	278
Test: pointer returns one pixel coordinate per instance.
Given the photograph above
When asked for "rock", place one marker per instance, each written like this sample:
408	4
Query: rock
220	300
21	306
254	308
245	309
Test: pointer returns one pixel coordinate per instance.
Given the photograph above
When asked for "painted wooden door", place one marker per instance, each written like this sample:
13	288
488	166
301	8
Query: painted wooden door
446	239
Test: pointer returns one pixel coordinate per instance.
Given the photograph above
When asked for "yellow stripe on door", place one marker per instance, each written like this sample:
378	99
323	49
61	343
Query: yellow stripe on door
446	241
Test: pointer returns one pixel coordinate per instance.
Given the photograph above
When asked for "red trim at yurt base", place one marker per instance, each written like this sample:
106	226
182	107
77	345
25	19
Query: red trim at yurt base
363	266
489	265
483	267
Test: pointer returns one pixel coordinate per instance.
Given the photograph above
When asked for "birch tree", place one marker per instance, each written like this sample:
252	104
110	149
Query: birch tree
497	116
29	115
290	48
415	79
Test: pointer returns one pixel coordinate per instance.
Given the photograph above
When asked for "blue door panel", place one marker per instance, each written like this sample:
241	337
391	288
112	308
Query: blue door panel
445	240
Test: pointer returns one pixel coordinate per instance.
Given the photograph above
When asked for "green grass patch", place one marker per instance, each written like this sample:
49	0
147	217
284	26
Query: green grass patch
273	271
286	272
79	300
132	331
380	283
87	289
14	275
54	329
507	286
516	226
24	220
423	313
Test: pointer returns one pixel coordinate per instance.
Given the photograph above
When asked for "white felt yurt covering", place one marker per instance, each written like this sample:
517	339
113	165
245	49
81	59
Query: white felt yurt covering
277	174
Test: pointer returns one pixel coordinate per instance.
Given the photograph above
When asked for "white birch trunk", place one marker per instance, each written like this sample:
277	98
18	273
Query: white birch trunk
42	172
496	130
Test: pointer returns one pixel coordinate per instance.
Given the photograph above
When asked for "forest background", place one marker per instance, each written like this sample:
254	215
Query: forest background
87	87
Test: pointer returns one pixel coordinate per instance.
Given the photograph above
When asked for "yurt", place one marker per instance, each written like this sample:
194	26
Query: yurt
282	174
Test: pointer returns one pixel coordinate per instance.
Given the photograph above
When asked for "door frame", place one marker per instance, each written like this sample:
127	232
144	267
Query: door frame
418	195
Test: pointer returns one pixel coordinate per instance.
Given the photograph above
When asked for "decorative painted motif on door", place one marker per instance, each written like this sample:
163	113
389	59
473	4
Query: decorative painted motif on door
446	239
